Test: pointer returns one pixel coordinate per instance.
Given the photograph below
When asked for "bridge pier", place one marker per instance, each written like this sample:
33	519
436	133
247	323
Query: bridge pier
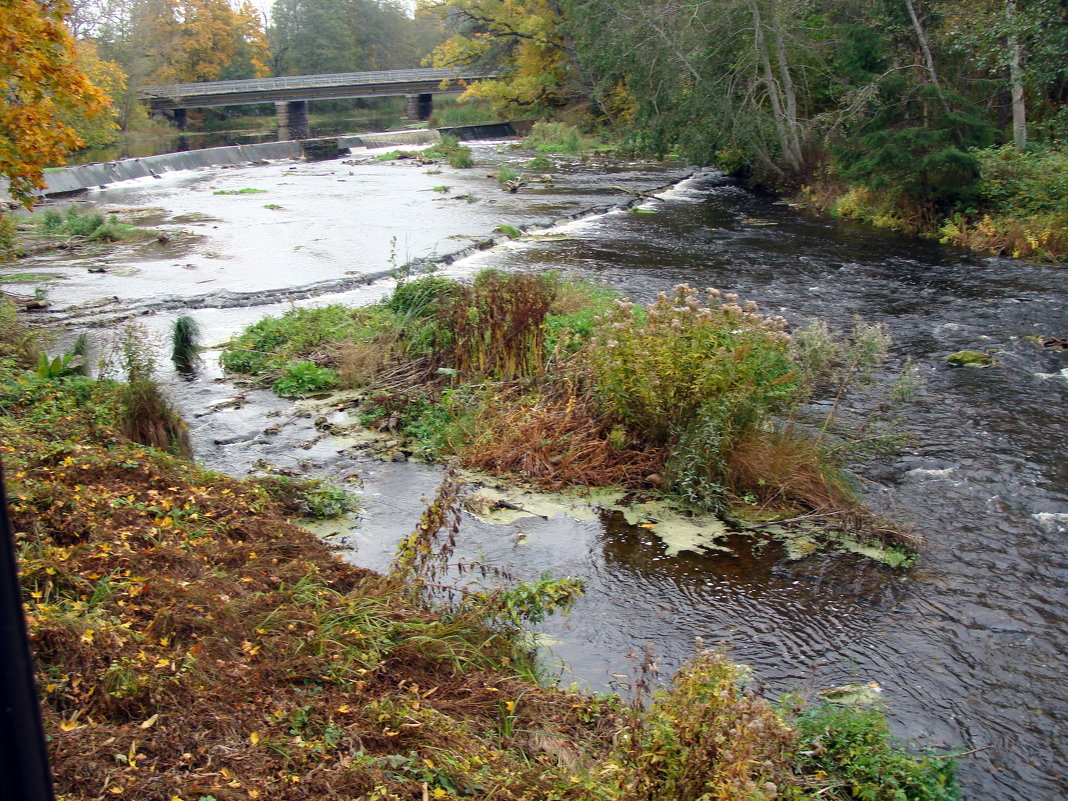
292	119
420	107
179	118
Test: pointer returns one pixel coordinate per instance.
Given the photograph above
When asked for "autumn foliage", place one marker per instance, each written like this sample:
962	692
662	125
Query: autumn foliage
41	83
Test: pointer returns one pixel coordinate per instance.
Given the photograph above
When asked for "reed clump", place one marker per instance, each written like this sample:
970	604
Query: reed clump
185	344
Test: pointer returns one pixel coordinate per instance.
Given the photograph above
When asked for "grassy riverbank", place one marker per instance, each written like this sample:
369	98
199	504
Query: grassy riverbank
193	643
1017	207
557	384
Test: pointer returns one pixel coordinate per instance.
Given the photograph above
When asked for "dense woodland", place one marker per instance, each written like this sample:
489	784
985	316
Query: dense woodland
943	117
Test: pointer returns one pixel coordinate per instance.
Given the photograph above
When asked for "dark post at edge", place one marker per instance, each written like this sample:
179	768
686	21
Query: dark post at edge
23	757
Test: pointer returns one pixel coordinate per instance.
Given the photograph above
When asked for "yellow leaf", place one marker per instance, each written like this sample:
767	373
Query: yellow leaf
254	737
150	722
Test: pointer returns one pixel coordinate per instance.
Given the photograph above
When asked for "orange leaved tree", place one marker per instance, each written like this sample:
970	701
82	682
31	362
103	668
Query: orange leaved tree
40	85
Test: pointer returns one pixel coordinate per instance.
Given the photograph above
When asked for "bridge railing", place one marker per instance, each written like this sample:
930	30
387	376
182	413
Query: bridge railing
176	90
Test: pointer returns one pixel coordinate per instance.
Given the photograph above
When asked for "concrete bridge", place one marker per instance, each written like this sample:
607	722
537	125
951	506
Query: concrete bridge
291	94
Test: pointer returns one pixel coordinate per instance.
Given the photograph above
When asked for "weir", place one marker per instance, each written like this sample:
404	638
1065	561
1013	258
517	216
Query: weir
77	178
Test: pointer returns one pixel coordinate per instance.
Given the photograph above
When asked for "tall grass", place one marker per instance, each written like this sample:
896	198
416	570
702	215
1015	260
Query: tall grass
185	343
148	417
556	137
497	325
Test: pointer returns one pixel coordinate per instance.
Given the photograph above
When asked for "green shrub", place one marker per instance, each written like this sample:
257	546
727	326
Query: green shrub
304	378
1032	182
852	747
81	224
450	149
461	159
540	164
273	342
555	137
695	374
91	225
686	356
50	222
703	738
505	174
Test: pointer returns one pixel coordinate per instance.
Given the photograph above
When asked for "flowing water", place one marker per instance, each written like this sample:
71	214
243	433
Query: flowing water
969	648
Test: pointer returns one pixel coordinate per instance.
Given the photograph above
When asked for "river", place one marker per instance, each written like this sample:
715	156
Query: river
970	647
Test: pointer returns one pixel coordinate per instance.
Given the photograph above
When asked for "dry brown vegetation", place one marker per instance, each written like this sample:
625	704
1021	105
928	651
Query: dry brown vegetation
558	442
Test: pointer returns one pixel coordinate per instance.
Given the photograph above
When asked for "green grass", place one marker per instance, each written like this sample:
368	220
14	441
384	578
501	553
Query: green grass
557	137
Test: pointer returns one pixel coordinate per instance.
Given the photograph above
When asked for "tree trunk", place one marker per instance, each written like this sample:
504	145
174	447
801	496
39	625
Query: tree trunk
1019	107
773	86
789	92
925	50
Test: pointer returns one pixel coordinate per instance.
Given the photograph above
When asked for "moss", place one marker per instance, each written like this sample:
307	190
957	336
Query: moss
971	358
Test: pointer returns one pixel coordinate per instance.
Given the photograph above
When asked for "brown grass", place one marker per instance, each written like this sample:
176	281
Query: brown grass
559	442
497	325
192	642
787	474
148	418
360	363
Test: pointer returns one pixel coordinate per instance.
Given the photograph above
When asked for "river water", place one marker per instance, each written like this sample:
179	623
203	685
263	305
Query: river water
970	647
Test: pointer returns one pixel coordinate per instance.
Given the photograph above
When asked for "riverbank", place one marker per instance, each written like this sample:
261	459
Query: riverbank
1017	208
192	641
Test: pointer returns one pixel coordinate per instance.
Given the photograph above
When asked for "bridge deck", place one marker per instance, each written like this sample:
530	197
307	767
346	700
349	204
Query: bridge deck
308	87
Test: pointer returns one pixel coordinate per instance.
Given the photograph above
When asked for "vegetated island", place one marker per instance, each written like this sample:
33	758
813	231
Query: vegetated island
696	402
193	643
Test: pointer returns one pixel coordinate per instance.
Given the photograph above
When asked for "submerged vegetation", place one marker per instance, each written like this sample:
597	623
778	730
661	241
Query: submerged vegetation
563	384
194	643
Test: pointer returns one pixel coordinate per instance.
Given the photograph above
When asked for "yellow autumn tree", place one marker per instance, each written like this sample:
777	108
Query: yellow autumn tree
98	129
525	39
204	40
41	82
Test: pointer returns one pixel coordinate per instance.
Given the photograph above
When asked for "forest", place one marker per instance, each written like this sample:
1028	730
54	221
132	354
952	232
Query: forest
935	117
